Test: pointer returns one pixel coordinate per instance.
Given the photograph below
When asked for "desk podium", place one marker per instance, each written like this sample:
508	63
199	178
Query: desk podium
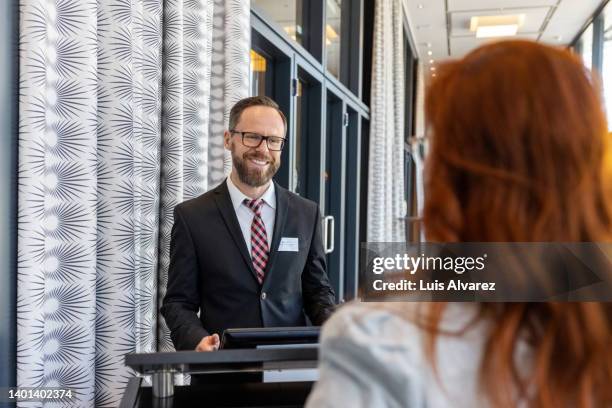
273	358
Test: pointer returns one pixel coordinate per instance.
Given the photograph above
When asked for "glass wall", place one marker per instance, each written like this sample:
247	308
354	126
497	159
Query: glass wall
606	71
333	30
302	57
328	30
585	46
299	183
595	47
411	175
288	14
258	74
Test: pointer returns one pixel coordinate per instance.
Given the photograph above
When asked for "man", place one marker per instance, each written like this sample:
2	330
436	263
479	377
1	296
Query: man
248	253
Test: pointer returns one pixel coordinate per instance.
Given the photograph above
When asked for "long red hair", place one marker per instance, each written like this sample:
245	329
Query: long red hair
517	150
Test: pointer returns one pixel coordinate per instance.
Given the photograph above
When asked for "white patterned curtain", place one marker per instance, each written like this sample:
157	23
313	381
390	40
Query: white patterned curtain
100	172
386	202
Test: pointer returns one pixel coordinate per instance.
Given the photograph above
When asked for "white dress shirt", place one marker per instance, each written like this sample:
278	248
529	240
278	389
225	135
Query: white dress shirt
245	214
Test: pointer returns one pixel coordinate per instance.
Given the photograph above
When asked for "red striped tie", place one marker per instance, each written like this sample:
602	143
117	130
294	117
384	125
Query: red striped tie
259	240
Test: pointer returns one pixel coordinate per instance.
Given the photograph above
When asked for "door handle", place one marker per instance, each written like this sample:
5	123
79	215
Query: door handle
328	233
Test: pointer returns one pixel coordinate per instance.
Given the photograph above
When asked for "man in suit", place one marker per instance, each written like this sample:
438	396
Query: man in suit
248	253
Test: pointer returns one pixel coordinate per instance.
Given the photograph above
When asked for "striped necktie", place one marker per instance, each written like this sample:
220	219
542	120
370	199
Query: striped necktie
259	240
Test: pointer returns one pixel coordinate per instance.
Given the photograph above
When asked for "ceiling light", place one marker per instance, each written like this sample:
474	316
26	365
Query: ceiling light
420	6
429	53
431	61
433	75
432	68
428	45
496	31
496	26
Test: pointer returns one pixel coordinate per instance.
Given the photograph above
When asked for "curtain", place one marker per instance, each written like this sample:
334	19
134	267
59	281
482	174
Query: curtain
122	109
386	202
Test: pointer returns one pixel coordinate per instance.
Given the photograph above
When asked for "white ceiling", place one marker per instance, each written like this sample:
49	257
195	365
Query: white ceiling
442	26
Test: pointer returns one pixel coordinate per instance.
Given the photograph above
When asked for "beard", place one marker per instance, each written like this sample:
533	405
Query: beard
250	175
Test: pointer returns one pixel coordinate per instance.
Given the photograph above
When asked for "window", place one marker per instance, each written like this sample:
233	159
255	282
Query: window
585	46
288	14
595	47
606	72
307	55
333	26
257	77
329	30
411	179
304	95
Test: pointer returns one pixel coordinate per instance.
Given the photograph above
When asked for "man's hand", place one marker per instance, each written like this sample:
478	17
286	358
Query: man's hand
209	343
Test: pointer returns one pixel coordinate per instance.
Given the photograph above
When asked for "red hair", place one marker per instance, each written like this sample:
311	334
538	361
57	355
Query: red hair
517	148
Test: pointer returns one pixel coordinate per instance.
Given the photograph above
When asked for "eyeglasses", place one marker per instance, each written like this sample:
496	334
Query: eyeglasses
251	139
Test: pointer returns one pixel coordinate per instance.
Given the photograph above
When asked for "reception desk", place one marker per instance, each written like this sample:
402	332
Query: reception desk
263	377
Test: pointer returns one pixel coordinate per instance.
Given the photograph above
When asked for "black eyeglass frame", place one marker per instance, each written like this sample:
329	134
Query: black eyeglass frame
261	139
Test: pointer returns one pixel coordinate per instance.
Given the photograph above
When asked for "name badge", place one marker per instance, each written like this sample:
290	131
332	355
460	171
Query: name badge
288	245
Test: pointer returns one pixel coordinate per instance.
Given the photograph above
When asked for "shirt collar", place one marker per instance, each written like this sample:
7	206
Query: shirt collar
238	197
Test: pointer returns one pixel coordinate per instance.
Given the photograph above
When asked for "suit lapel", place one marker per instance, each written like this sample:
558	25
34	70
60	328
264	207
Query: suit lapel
282	199
226	208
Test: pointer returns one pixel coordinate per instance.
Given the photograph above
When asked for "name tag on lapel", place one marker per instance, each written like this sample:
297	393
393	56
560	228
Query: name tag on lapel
288	245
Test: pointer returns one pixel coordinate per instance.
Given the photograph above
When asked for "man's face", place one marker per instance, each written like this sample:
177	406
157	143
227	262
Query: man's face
255	166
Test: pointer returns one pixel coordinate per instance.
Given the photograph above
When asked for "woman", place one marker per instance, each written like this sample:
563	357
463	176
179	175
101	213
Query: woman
518	145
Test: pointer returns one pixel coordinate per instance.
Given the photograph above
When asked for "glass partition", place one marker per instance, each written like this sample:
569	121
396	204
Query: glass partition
333	27
257	77
308	55
288	14
606	71
585	46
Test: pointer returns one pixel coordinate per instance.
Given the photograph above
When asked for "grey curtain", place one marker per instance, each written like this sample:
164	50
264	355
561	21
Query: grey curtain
122	108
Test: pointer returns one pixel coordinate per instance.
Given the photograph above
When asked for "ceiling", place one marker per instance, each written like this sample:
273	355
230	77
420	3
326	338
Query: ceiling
440	28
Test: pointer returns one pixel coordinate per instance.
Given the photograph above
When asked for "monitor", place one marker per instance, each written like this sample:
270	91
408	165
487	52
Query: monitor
264	336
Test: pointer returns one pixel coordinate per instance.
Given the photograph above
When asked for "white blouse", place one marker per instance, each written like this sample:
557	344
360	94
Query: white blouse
372	355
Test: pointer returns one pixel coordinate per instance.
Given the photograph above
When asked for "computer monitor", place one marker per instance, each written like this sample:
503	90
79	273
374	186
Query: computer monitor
265	336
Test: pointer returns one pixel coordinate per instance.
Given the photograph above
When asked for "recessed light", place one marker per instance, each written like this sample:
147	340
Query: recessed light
433	68
431	61
420	6
428	45
429	53
497	31
496	26
433	75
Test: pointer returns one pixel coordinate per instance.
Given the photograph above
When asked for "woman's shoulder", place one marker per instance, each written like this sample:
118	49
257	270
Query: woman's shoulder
375	332
370	333
380	347
369	354
358	319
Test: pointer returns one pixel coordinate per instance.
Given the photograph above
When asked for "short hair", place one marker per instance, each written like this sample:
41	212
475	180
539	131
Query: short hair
242	104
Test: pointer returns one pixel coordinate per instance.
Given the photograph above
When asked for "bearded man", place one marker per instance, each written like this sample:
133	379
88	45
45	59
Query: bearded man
248	253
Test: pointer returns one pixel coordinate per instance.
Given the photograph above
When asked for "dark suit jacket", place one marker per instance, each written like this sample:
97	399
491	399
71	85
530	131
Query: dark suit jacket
211	270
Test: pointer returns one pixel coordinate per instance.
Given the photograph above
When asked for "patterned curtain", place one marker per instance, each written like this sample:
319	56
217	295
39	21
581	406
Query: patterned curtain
386	201
122	108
